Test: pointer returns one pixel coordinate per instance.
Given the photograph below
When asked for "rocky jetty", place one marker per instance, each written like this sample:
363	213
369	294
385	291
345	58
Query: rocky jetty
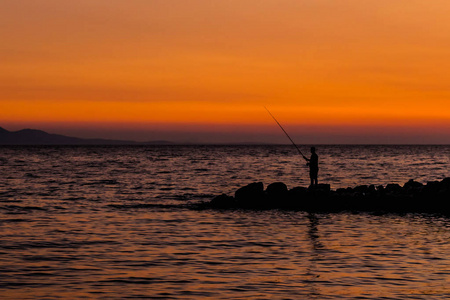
413	196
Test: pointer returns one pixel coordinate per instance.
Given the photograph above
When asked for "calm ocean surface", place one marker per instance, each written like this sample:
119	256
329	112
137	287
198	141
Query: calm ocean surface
114	223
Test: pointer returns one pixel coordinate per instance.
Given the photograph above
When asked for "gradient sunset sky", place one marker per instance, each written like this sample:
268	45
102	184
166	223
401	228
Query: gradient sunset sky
347	71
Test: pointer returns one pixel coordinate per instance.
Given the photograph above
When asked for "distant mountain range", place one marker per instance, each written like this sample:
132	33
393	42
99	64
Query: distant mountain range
39	137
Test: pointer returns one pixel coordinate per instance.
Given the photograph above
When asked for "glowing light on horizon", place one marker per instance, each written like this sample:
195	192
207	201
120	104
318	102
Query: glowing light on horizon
315	63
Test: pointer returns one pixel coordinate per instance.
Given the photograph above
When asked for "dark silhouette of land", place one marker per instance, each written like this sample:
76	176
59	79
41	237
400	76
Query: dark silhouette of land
39	137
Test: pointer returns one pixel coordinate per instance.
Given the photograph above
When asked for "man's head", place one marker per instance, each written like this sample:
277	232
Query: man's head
313	149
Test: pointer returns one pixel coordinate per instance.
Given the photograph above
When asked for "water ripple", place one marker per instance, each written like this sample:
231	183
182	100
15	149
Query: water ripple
115	223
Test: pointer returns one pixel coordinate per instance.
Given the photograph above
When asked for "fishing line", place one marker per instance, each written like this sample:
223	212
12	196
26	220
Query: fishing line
286	133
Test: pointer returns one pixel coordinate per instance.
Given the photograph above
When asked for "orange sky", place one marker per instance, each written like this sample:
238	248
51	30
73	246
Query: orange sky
355	71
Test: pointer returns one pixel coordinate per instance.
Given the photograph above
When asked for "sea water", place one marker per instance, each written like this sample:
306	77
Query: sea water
115	223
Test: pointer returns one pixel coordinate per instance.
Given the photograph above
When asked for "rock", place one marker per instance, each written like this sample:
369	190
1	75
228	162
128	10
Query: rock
393	188
277	190
363	189
433	184
413	197
411	184
445	183
320	191
323	187
432	188
341	191
297	193
252	194
350	190
223	201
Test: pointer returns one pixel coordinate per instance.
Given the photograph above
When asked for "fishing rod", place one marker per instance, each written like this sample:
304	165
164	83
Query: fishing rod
286	134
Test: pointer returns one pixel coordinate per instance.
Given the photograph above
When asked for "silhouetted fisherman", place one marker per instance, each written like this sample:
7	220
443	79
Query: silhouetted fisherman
313	163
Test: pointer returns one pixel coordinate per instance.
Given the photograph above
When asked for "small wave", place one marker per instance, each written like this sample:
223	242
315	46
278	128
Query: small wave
30	284
187	189
167	189
143	280
13	221
74	198
30	175
103	181
39	258
367	177
44	194
191	196
67	182
144	205
7	193
164	172
157	159
203	196
182	197
16	208
51	244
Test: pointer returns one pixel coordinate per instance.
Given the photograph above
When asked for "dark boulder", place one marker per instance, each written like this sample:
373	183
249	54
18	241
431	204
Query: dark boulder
277	190
296	198
342	191
297	193
411	184
223	201
435	185
252	194
362	189
319	192
445	183
321	188
393	188
431	189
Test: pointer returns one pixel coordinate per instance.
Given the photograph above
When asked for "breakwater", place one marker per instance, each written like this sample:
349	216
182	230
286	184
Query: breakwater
413	196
